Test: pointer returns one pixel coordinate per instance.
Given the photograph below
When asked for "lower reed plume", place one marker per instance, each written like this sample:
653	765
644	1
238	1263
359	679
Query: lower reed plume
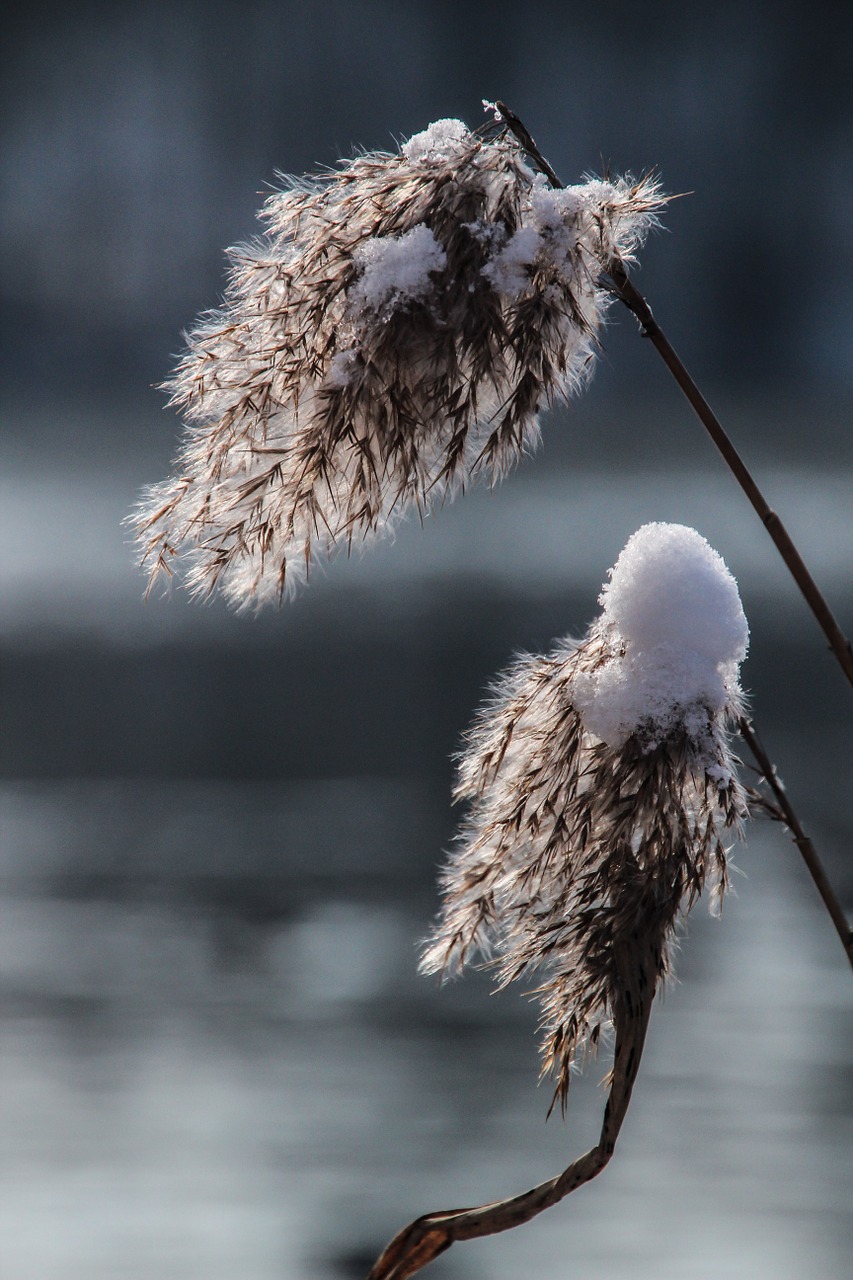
602	793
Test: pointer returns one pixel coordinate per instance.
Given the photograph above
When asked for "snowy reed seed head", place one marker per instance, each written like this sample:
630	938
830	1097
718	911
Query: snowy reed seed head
601	788
391	337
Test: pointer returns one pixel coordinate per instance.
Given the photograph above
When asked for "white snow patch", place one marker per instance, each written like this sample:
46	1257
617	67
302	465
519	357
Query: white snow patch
396	269
341	368
553	208
548	233
669	585
509	270
439	141
673	617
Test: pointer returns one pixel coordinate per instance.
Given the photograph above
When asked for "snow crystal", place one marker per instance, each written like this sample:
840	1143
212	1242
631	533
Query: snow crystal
438	141
676	629
396	269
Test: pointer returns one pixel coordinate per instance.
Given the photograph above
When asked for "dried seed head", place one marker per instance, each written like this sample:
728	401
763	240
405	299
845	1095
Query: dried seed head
592	829
391	337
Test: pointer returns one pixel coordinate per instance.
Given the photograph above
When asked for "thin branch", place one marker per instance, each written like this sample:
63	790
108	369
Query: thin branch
627	292
427	1237
784	812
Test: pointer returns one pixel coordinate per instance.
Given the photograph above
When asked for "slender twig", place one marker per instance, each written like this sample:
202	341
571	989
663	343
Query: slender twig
627	292
425	1238
784	812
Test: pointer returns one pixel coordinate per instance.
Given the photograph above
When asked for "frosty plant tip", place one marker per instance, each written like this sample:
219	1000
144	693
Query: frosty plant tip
391	337
602	791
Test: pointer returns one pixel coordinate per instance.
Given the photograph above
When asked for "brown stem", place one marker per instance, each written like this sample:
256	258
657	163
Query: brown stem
425	1238
784	812
633	299
517	127
624	289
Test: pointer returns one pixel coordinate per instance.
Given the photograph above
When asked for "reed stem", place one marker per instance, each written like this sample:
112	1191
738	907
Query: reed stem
784	812
427	1237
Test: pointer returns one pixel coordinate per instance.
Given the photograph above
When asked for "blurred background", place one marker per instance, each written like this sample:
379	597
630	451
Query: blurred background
219	834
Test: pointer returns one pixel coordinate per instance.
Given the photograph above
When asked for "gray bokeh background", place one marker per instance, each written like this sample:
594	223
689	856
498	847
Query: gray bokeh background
219	834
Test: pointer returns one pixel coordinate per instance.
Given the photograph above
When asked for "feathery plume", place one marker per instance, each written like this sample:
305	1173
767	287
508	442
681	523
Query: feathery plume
602	787
391	337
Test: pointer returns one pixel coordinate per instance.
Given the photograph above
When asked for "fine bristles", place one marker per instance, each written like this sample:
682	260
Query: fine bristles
392	337
579	857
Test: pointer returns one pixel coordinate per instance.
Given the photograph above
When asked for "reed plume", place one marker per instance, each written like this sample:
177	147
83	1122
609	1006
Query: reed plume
602	791
390	338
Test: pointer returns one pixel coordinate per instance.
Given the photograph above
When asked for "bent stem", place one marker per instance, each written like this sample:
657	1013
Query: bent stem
624	289
783	811
427	1237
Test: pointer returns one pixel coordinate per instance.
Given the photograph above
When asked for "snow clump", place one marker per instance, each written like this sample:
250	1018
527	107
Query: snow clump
396	269
675	635
437	142
547	238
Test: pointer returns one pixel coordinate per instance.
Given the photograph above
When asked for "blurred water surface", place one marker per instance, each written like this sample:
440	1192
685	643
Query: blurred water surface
218	1060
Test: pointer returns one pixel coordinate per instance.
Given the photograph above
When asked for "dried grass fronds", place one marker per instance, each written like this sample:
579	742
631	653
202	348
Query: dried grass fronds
391	337
580	856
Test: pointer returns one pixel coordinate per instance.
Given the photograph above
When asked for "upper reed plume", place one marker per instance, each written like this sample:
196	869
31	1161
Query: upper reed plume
602	786
392	336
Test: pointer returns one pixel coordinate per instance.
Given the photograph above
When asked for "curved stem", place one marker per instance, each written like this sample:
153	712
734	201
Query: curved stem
627	292
427	1237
